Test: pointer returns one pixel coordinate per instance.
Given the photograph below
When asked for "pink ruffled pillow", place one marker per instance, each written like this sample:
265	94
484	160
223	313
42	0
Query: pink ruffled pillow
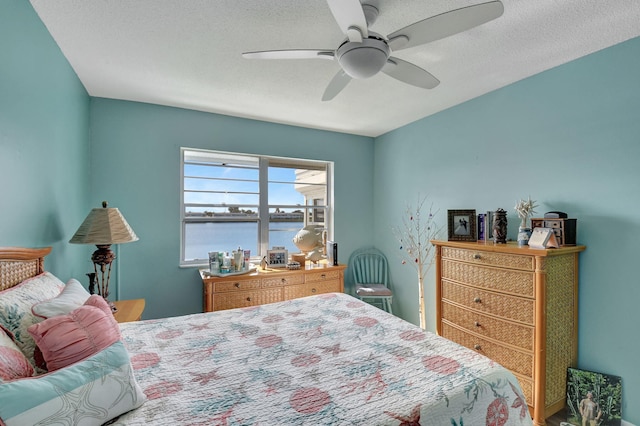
85	331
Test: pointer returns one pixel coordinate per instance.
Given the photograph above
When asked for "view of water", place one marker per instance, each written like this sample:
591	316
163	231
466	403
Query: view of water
201	238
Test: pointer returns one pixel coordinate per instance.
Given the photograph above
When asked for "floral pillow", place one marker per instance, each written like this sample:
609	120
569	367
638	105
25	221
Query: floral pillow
90	392
13	364
15	308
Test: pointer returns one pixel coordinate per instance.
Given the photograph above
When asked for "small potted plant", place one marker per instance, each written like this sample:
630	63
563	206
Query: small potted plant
525	209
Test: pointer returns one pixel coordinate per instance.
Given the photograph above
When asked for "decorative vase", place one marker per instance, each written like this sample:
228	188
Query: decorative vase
524	234
500	226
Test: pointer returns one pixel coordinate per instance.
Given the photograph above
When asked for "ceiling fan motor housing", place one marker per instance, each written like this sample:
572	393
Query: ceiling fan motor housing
365	59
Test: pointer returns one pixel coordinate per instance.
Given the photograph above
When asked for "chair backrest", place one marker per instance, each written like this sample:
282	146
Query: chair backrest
369	266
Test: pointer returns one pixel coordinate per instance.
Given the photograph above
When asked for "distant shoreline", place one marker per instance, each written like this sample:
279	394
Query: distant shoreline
242	217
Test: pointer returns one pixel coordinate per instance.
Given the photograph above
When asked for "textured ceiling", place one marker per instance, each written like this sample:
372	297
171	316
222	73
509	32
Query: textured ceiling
187	53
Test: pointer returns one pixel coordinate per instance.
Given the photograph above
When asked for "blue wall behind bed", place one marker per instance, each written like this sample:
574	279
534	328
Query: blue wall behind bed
44	141
135	163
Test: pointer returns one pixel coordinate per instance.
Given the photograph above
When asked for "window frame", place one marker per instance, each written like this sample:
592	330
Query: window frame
264	161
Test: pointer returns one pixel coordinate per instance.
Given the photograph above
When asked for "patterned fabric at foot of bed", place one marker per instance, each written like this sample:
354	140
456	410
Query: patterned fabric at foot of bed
326	359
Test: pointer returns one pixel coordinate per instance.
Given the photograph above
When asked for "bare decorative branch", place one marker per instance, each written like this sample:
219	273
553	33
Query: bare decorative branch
417	230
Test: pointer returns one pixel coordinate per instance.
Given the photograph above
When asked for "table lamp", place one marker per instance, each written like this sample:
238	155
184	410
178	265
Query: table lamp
103	227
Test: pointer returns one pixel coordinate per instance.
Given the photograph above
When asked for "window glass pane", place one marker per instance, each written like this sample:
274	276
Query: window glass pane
222	171
284	224
221	185
282	187
284	194
203	237
221	202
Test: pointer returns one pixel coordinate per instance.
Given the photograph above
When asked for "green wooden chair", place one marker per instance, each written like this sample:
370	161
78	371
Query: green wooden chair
370	272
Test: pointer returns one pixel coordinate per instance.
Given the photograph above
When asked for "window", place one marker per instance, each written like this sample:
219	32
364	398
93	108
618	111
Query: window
253	202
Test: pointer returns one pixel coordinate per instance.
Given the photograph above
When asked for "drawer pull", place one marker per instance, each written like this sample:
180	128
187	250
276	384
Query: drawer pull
248	299
283	280
477	324
477	347
237	285
477	300
313	290
477	256
323	276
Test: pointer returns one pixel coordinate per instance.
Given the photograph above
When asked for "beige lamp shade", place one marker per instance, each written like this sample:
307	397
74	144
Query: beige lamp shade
103	226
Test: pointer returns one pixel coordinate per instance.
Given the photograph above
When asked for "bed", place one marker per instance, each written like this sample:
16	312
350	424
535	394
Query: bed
320	360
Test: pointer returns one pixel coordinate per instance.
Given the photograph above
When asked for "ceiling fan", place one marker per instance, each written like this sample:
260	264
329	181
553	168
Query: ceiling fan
364	53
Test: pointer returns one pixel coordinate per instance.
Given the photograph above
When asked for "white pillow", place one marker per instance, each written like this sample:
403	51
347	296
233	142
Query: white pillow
73	296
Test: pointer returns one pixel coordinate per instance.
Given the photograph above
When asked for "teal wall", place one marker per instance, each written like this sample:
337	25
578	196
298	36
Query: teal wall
569	138
135	165
44	141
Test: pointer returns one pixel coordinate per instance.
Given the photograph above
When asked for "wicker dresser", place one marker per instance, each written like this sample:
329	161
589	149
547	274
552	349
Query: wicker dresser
272	285
518	306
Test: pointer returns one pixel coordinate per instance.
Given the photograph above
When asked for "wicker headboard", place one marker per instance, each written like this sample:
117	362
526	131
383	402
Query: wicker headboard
17	264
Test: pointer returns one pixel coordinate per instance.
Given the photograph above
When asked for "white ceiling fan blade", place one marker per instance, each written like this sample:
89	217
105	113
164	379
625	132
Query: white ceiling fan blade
409	73
290	54
337	83
445	25
350	18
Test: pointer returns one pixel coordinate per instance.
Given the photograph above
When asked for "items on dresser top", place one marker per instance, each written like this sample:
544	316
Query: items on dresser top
565	229
266	285
516	305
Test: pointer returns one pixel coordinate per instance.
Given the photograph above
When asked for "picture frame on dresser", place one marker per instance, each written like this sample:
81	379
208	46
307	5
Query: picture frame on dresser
462	225
277	258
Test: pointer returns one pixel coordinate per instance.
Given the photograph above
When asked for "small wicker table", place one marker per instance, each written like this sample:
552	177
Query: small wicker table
129	310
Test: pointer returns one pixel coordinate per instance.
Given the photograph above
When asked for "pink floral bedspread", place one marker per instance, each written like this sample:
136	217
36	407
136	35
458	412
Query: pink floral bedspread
323	360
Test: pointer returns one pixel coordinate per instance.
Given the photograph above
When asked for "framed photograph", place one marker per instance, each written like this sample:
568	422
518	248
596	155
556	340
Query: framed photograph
277	258
593	398
462	225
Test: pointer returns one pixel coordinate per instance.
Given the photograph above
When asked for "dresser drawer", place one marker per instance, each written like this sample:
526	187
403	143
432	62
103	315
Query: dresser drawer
482	257
322	276
527	388
503	331
230	300
511	281
236	285
310	289
283	280
517	361
500	305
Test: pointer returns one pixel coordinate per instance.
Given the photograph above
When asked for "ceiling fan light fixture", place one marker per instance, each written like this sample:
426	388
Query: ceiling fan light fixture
363	60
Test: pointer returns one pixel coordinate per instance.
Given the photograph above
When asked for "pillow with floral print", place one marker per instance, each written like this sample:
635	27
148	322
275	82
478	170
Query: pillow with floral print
15	308
13	364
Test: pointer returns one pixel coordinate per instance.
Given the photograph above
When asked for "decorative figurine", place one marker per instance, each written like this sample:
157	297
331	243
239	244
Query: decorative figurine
500	227
525	209
311	241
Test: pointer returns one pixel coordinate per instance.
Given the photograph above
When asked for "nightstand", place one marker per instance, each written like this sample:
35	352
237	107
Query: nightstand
129	310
